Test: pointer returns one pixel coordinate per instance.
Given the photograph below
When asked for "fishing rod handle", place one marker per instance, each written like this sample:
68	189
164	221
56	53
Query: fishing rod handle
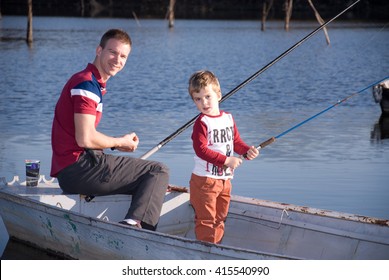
262	145
266	143
152	151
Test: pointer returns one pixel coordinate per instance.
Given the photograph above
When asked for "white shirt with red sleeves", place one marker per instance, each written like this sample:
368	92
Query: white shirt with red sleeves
214	139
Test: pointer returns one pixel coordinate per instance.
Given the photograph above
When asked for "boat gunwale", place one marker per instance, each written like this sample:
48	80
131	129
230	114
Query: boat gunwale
312	210
247	200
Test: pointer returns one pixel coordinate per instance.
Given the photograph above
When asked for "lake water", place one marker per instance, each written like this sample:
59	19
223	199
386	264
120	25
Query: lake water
337	161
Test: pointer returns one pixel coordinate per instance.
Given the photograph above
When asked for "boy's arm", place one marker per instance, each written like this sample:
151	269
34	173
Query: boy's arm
200	145
240	147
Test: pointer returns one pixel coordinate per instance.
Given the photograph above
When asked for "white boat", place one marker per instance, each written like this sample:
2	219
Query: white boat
73	228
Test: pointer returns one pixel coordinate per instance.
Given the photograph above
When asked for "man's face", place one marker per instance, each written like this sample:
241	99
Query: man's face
112	58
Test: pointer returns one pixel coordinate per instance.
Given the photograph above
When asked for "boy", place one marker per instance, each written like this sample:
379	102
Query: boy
215	137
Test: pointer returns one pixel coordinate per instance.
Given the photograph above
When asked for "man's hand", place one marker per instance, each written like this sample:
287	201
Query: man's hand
129	143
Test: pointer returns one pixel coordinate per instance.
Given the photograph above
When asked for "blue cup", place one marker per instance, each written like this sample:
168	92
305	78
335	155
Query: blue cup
32	172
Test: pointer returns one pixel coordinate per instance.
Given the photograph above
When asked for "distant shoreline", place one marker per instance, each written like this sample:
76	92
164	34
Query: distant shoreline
365	10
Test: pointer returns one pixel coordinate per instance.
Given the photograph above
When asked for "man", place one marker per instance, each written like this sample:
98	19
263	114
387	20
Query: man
78	160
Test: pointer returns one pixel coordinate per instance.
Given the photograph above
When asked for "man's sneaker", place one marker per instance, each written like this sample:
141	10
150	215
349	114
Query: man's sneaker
131	223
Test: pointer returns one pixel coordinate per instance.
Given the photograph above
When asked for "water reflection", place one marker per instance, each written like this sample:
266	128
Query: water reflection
381	128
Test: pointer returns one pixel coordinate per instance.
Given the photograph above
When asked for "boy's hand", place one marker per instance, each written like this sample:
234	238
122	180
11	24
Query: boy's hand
233	162
252	153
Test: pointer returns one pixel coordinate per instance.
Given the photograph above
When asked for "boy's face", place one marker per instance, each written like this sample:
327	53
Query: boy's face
207	101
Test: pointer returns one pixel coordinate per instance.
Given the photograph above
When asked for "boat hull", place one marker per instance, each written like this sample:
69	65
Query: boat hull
77	236
255	229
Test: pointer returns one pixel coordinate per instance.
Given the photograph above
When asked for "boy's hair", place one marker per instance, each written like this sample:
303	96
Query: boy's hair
201	79
117	34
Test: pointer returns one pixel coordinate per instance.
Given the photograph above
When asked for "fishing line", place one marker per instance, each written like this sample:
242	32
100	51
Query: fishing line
273	139
373	36
252	77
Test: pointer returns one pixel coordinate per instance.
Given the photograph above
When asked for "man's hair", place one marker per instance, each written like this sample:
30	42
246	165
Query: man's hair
201	79
117	34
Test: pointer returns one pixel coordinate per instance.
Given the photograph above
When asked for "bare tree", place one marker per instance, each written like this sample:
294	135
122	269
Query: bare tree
82	7
170	13
320	20
288	5
29	22
267	4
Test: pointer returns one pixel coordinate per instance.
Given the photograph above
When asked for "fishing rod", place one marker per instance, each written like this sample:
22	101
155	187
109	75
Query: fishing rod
252	77
273	139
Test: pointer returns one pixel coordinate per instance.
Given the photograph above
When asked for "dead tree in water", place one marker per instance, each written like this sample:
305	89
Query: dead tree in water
136	18
29	22
82	4
267	4
288	7
288	12
170	13
320	20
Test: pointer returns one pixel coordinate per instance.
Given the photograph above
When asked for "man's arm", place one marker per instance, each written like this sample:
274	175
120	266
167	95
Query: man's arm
88	137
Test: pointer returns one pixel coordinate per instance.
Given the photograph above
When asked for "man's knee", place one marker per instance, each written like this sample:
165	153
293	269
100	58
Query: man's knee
161	168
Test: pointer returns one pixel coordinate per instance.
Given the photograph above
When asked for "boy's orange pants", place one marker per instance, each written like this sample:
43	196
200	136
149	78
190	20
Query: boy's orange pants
210	199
